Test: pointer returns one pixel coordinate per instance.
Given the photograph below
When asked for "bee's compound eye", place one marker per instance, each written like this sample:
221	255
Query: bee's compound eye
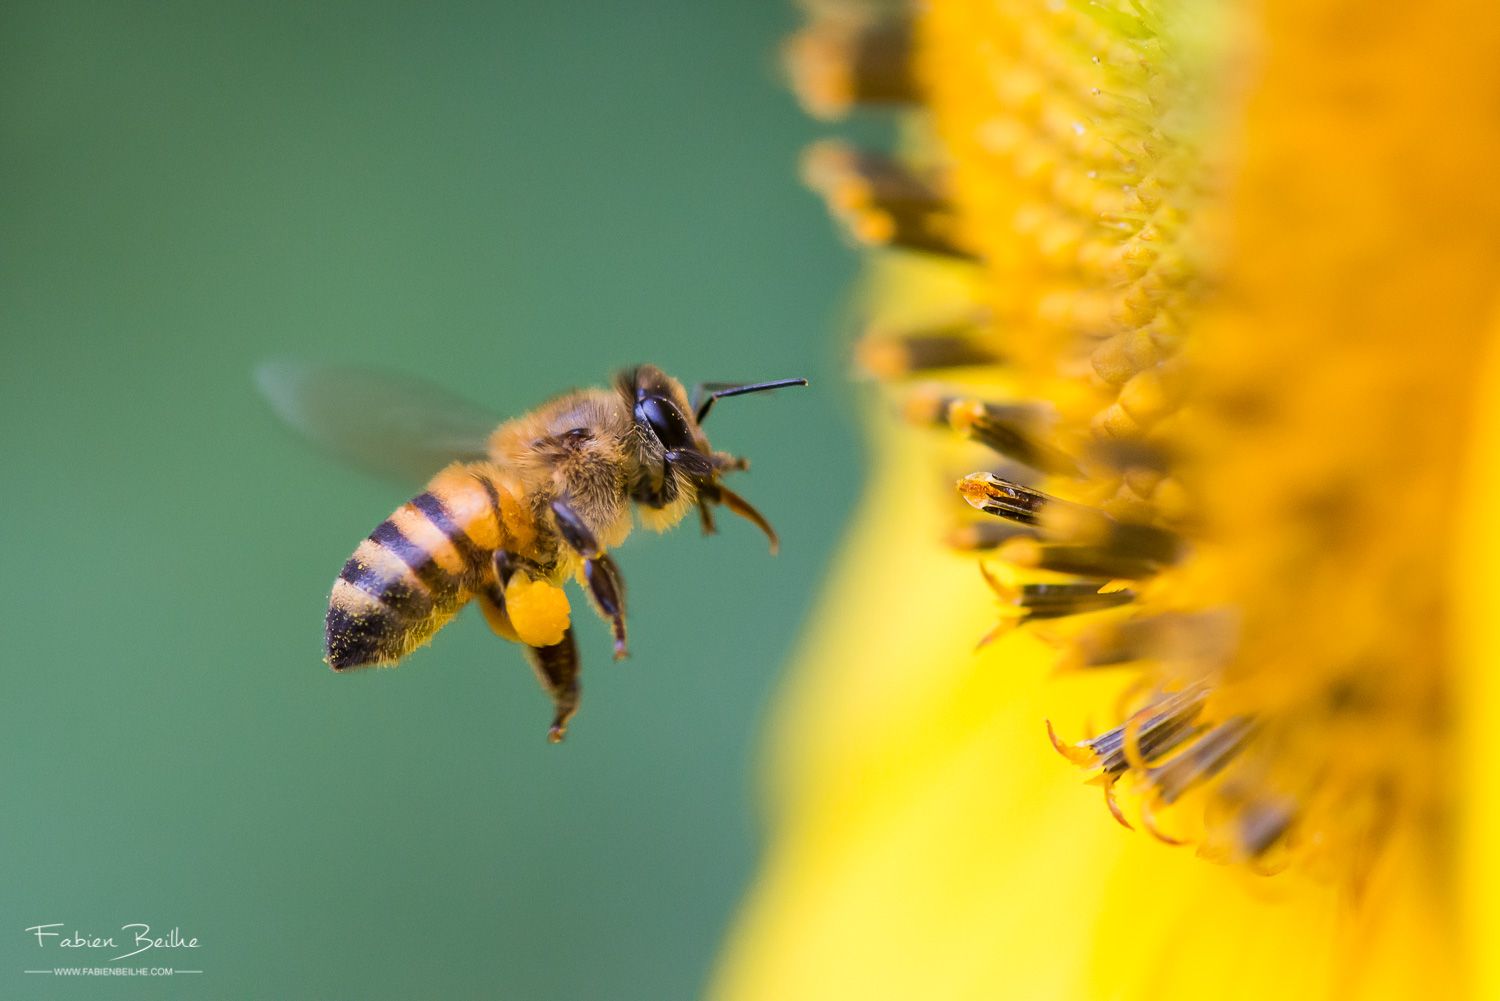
665	420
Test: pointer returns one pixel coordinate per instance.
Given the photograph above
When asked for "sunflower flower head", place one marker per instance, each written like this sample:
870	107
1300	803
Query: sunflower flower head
1188	300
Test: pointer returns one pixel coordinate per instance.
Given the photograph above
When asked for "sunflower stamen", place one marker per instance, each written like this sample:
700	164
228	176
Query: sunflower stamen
1079	560
881	202
1005	499
1067	522
1150	733
850	177
1055	601
1261	825
844	58
1013	430
892	355
1202	761
982	536
1111	644
1204	639
1009	431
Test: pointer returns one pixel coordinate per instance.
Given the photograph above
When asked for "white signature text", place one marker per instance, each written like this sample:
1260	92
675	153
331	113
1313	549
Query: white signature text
134	936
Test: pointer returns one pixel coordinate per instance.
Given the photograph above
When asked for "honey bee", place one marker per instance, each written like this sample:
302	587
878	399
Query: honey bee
517	510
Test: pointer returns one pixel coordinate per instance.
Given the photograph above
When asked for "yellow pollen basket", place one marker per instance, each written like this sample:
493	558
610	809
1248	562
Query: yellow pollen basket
538	610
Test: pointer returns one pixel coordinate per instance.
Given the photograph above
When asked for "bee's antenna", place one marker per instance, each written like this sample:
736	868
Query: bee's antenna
715	390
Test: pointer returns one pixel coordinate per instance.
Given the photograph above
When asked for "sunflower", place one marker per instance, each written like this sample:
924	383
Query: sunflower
1193	302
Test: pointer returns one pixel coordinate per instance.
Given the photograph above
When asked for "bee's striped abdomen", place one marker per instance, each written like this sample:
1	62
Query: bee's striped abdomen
415	571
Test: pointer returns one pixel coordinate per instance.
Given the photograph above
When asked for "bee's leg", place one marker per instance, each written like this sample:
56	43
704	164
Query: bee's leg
606	586
607	589
706	515
556	667
504	564
717	493
694	465
704	471
691	464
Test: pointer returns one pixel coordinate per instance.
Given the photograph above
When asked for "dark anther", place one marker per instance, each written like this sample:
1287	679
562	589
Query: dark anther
1203	760
1056	601
1003	498
1153	732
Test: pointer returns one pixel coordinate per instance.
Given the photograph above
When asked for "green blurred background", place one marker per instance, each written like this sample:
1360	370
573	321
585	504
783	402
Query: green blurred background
509	199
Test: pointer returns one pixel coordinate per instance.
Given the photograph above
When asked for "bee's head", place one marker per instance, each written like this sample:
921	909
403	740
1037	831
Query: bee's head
676	467
663	413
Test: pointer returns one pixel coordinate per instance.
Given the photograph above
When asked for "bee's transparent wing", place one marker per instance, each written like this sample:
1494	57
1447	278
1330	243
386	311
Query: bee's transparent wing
395	426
